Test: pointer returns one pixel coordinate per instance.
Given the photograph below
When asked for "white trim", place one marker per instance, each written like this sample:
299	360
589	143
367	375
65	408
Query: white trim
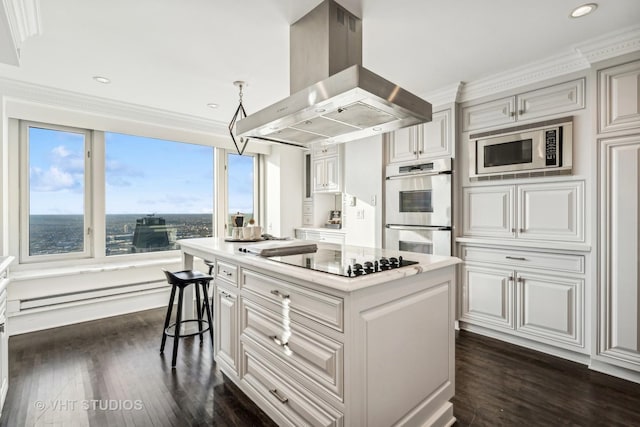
580	57
24	19
82	311
616	371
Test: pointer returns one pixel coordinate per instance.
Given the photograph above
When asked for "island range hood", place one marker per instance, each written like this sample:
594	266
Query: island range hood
333	98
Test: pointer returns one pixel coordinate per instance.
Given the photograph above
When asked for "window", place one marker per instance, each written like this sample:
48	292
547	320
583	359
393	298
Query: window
54	200
157	191
241	187
91	194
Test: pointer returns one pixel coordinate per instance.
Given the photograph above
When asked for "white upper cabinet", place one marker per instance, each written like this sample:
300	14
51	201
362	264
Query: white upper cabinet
619	97
327	168
548	211
426	141
560	98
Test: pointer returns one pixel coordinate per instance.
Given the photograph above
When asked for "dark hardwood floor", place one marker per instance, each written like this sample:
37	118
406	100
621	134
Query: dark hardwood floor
109	373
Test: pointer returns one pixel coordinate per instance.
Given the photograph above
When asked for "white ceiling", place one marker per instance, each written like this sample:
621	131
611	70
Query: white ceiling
178	56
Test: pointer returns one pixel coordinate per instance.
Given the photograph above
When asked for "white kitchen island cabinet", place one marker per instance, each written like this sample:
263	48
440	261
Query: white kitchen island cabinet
326	350
4	333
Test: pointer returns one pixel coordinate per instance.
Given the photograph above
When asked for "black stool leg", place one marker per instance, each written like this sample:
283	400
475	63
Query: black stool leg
167	319
198	310
208	308
176	338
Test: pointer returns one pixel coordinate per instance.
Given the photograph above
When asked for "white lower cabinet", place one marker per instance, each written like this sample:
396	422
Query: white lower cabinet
513	291
311	355
4	345
226	316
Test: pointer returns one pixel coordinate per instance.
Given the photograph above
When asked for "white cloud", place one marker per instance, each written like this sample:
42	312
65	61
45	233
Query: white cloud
53	179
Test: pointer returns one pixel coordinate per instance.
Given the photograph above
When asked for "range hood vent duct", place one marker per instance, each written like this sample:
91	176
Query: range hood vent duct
333	98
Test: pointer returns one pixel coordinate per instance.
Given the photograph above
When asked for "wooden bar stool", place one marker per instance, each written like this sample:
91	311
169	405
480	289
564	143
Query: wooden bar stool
180	280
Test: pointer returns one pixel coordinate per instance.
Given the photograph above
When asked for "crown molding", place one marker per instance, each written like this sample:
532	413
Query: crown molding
62	99
580	57
446	95
24	19
611	45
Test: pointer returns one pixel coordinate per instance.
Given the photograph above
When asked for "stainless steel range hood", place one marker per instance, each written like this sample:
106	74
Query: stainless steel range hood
334	99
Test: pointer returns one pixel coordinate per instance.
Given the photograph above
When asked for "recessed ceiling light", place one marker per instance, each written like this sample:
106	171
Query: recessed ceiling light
212	105
102	79
583	10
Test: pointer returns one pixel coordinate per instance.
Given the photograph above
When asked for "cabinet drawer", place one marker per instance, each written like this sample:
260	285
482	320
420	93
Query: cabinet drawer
294	406
325	237
542	260
299	301
307	351
307	209
227	272
307	220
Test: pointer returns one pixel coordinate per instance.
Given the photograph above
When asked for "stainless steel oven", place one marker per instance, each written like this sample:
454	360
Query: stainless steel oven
418	207
419	238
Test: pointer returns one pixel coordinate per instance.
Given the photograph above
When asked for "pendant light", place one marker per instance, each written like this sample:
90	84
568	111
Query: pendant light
239	115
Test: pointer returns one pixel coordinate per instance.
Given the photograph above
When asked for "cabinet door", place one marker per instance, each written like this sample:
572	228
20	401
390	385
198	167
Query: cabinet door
436	137
226	328
494	113
550	307
487	296
319	179
551	211
488	211
332	173
619	97
619	293
555	99
402	144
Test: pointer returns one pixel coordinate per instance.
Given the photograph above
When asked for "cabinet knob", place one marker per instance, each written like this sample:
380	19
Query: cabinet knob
520	280
521	230
513	230
513	114
415	152
419	151
511	278
520	112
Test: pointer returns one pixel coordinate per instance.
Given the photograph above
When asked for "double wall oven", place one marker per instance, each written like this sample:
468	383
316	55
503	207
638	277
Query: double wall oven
418	207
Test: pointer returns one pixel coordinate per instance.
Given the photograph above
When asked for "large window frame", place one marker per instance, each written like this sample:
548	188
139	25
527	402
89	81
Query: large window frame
94	197
25	193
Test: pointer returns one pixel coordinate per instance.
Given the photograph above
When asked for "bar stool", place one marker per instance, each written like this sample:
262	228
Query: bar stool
180	280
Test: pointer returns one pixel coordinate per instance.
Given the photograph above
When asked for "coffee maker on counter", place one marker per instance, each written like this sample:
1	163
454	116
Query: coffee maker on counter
335	220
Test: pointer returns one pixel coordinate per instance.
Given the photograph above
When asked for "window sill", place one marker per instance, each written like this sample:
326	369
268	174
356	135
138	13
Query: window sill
34	271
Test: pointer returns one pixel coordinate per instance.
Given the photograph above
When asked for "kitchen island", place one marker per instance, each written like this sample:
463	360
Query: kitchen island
315	348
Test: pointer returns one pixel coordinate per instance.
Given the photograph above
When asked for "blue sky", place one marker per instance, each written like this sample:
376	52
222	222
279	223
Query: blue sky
143	175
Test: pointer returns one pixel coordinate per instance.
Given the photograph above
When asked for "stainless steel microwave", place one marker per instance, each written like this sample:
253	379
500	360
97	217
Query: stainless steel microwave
538	149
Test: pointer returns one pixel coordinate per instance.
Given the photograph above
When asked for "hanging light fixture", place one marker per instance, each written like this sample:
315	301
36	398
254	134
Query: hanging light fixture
239	115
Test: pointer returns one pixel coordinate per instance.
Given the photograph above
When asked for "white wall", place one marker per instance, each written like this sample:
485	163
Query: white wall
284	174
363	180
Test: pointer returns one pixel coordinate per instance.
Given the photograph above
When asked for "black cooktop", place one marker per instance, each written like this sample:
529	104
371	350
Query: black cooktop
347	263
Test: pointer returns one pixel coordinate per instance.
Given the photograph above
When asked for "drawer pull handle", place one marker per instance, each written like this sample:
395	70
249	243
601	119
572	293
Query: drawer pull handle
227	273
279	294
277	340
520	280
521	230
511	278
2	328
513	230
517	258
280	398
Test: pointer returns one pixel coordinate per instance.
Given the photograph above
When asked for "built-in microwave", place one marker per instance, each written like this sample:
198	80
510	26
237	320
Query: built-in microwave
542	148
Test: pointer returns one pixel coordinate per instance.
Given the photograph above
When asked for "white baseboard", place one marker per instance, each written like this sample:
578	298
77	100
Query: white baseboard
614	371
69	313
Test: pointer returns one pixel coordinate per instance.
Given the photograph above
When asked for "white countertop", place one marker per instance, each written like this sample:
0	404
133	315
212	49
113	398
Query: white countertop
323	229
210	247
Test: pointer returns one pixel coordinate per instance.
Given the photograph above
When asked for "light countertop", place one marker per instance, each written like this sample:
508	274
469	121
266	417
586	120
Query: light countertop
323	229
208	248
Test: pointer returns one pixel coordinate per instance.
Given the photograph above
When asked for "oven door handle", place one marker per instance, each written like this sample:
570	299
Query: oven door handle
416	227
411	175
